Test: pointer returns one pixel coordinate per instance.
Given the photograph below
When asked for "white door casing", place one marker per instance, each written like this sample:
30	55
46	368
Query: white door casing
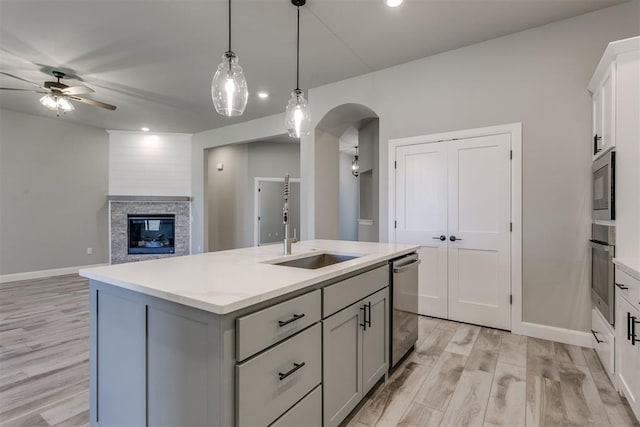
421	215
479	216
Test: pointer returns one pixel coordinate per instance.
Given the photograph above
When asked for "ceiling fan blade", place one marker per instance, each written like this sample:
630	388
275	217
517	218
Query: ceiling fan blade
21	79
93	102
77	90
23	90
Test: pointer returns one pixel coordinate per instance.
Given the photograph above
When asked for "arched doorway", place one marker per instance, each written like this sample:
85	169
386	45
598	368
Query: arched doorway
347	207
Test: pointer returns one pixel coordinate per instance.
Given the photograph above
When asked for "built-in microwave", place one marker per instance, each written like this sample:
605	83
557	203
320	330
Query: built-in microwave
603	187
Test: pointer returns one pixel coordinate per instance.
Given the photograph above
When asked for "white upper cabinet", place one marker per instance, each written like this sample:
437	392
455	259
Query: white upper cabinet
603	101
606	88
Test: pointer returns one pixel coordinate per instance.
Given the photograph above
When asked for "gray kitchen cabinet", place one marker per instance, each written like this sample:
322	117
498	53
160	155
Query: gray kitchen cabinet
342	369
375	354
355	354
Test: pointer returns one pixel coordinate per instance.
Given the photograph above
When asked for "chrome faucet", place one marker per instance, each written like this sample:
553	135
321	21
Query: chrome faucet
285	216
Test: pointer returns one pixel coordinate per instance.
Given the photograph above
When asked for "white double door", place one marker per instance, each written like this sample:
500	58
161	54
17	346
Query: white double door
453	198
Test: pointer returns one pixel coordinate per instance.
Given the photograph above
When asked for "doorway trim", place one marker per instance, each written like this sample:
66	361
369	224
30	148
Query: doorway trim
515	131
256	203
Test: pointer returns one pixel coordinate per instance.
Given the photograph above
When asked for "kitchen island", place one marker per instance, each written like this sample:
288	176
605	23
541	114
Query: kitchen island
232	338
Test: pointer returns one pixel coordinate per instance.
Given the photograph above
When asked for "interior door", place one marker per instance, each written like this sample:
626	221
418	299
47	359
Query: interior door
479	216
421	218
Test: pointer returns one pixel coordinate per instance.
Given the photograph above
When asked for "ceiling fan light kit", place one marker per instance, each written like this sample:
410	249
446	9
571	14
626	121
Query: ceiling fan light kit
229	89
58	96
297	114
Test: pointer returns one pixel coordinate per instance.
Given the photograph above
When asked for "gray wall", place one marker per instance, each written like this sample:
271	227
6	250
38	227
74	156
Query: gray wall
53	193
226	193
537	77
230	193
348	203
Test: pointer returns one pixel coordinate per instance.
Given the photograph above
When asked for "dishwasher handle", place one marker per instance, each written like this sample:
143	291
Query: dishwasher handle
404	267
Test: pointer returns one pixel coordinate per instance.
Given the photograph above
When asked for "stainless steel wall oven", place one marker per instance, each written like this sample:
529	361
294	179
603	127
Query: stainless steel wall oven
602	269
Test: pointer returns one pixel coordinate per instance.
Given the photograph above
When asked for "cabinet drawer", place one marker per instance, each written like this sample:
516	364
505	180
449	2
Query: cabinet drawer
259	330
269	384
632	293
604	348
344	293
307	412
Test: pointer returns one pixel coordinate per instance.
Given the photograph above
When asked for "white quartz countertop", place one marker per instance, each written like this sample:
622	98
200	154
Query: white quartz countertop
226	281
629	266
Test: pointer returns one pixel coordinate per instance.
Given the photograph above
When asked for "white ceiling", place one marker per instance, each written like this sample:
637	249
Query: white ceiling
154	59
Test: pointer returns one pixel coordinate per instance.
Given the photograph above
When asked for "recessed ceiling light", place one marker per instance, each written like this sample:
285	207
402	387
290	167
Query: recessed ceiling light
263	95
145	129
393	3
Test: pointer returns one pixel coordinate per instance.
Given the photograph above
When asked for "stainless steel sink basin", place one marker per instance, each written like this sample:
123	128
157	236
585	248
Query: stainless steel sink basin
317	261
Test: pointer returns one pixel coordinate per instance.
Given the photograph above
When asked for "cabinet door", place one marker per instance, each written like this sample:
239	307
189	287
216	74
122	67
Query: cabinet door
608	110
342	369
628	354
375	351
596	142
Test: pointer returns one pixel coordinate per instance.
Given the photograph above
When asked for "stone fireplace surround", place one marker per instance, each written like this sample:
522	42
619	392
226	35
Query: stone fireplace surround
121	206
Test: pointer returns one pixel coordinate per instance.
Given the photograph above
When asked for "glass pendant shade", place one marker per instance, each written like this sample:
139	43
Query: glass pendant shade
229	89
355	166
297	116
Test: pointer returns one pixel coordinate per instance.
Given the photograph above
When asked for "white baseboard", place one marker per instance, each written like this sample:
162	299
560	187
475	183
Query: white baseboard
551	333
4	278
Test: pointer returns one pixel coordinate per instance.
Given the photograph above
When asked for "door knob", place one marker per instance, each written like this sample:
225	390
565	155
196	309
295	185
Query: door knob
454	238
442	238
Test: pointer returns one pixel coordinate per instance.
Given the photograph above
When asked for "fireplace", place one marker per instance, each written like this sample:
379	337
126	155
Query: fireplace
151	234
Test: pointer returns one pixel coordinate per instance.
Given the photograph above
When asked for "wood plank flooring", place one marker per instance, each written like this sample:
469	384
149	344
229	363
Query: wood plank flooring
465	375
458	375
44	352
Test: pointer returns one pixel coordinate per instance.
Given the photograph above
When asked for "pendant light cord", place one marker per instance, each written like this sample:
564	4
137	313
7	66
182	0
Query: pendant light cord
229	25
298	53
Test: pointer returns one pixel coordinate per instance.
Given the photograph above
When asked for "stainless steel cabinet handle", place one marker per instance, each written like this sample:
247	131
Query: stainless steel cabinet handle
595	336
296	366
454	238
406	266
295	317
442	238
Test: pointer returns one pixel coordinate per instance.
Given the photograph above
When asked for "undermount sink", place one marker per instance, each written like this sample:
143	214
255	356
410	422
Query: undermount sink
317	261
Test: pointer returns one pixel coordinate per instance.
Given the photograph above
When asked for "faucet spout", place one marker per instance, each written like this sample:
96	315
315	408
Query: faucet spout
285	216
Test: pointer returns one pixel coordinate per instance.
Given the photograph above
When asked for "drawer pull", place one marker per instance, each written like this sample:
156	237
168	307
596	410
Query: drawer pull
295	317
622	287
296	366
364	317
633	320
596	337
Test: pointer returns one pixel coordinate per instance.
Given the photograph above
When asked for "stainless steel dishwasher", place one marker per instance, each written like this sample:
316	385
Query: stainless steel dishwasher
404	303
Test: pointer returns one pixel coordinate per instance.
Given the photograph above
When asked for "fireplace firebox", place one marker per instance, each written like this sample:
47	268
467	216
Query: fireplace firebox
151	234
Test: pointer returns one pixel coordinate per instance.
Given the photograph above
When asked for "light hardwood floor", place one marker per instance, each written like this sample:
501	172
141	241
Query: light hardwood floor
458	375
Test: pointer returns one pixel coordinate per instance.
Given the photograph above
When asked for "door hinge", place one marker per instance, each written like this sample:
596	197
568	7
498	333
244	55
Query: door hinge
395	224
510	299
395	164
511	227
511	154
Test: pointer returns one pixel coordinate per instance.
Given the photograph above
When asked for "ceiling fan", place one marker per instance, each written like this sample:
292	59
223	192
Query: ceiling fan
57	95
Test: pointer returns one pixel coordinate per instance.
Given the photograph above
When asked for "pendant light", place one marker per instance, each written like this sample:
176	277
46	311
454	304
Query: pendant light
297	116
229	89
355	165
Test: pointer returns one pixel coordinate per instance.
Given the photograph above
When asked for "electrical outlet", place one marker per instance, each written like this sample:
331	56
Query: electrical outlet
89	251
